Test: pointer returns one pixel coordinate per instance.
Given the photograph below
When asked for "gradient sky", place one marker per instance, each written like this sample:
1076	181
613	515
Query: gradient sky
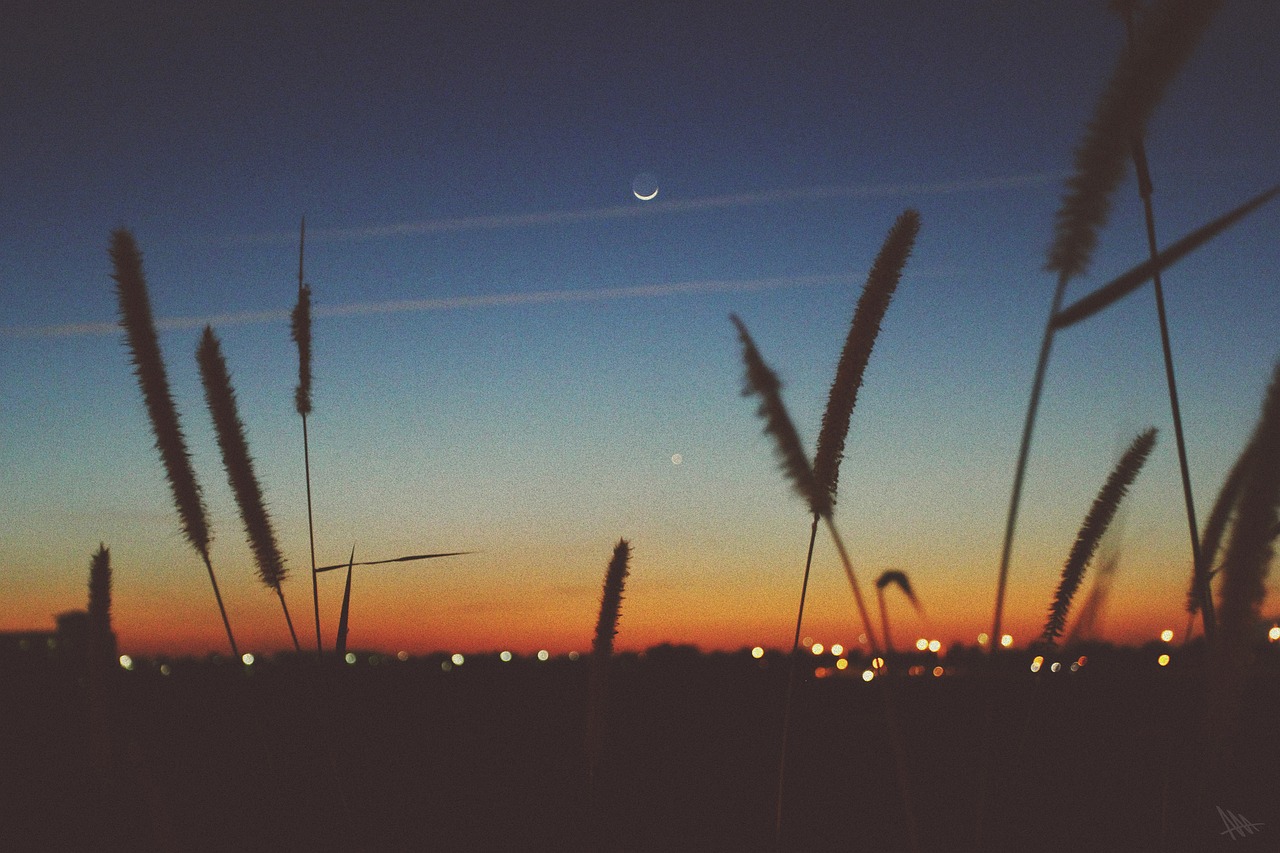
510	347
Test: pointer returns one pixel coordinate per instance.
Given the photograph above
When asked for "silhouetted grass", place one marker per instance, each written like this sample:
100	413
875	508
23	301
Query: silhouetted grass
300	329
1092	529
144	349
615	577
221	399
899	578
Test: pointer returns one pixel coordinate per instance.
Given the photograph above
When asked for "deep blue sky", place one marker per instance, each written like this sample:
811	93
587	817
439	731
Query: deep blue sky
455	151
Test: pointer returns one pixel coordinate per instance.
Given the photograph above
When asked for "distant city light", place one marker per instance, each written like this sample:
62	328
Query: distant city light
504	656
821	672
458	660
402	656
164	669
938	672
806	642
1037	663
446	665
934	645
842	664
983	639
1082	660
867	675
817	648
757	652
862	638
1274	634
350	658
1166	635
837	649
1006	640
543	654
1163	660
247	658
1057	667
574	655
126	662
922	644
877	663
1075	666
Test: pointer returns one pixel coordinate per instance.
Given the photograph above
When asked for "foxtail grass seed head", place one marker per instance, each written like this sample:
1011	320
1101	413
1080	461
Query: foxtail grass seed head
763	382
100	601
1247	558
1094	526
882	281
1164	39
221	399
301	329
611	599
148	365
899	578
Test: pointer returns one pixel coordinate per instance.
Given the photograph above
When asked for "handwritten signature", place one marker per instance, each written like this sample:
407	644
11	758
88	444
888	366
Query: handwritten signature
1236	823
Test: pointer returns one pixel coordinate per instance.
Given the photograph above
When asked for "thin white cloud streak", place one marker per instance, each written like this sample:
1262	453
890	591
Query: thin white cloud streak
652	208
447	303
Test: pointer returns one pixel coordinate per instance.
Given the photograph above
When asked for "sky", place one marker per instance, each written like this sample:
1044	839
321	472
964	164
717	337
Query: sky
517	356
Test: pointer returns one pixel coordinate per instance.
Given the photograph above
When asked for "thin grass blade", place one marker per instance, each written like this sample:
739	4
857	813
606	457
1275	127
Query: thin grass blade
1120	287
341	644
397	560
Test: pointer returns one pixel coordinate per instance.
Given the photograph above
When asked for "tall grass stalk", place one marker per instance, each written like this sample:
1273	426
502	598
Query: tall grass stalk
615	577
1091	531
144	350
763	382
881	283
1144	191
221	399
1246	562
1161	45
300	327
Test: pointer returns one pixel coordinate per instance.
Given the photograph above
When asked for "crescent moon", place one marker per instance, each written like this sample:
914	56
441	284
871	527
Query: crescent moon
648	197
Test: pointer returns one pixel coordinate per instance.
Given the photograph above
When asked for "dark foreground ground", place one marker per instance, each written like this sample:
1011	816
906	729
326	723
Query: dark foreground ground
489	756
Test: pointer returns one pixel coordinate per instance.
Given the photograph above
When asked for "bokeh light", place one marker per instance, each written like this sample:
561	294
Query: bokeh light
543	654
247	658
1166	635
1006	640
126	662
504	656
757	652
1163	660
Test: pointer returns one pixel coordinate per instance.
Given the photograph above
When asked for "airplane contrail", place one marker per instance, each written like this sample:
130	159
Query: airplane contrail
652	208
447	303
